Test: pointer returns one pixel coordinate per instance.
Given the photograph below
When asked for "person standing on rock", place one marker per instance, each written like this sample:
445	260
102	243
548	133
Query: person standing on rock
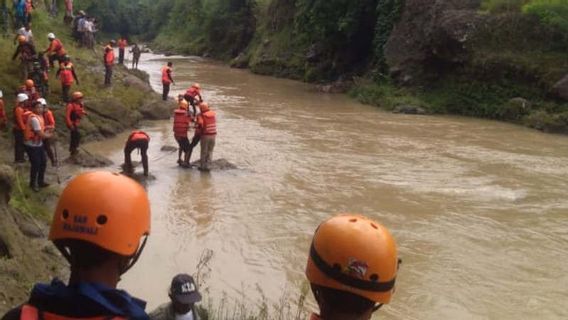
122	44
136	53
352	267
207	123
34	134
19	127
183	295
74	112
181	127
167	80
49	125
100	225
67	76
108	61
136	140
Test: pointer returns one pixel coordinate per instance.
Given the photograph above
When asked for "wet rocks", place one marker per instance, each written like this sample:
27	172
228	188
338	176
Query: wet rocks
168	148
157	110
88	160
137	83
560	89
241	61
409	109
217	165
339	86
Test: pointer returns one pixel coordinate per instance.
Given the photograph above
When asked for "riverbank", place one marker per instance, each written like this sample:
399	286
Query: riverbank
26	257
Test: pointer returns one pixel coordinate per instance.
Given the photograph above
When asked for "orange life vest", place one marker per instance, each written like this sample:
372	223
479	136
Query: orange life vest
19	123
56	47
49	120
166	73
209	125
74	113
138	136
29	133
181	123
30	312
192	92
109	55
122	43
66	74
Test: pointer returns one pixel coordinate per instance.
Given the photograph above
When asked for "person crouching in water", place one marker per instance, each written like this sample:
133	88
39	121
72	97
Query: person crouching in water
207	123
183	295
74	112
100	226
352	267
34	134
136	140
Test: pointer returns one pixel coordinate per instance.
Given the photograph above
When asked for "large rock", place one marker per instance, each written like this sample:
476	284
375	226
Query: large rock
430	37
137	83
409	109
157	110
560	89
339	86
88	160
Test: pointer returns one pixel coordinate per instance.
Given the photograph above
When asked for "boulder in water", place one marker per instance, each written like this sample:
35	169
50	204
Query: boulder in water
168	148
409	109
88	160
217	165
560	89
157	110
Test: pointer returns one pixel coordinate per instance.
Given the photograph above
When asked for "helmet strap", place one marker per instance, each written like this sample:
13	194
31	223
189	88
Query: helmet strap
377	307
135	257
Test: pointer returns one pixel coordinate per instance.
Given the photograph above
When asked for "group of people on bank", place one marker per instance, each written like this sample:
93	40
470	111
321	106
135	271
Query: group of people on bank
101	225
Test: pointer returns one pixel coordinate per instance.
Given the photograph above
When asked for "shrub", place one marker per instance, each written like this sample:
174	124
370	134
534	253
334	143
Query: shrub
503	6
553	13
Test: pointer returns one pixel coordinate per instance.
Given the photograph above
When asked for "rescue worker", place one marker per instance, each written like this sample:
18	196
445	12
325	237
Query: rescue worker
66	75
136	140
193	96
122	44
207	123
29	9
100	225
29	88
181	126
108	61
19	127
25	31
74	112
167	80
34	134
55	51
27	53
3	118
40	75
352	267
183	294
136	53
49	126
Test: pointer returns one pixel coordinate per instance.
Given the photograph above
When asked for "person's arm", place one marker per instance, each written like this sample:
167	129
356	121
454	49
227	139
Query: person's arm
75	75
170	76
58	72
68	121
18	49
19	118
36	127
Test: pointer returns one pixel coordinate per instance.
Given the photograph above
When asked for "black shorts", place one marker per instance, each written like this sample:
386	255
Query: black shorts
183	143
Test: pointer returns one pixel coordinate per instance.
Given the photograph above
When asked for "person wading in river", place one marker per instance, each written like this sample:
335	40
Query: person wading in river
207	123
98	225
181	126
167	80
183	295
136	140
352	267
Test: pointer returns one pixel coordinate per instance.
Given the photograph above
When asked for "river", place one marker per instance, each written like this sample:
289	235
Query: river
479	208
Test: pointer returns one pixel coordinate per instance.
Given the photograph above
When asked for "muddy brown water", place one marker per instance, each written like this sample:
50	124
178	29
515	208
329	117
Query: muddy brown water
479	208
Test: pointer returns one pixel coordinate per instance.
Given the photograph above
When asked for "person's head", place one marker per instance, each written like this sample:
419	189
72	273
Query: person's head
77	96
352	267
170	64
21	98
112	43
183	104
21	39
204	107
183	293
98	224
29	84
196	86
66	58
51	36
43	104
36	107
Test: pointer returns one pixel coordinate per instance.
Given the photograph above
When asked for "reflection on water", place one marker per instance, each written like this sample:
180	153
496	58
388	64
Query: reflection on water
479	208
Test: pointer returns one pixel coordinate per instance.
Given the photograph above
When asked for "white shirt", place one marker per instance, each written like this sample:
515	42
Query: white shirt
28	34
187	316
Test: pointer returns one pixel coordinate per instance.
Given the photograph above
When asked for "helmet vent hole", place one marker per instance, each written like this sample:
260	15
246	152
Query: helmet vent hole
102	219
353	220
65	213
374	277
374	226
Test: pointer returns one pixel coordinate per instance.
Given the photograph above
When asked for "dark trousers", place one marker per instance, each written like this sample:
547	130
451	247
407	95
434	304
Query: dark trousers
130	146
165	91
192	102
120	56
75	141
53	58
47	145
108	74
65	92
194	142
38	163
19	148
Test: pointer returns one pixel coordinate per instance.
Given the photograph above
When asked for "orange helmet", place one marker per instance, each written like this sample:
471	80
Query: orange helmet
77	95
21	39
29	83
196	86
203	106
183	104
106	209
355	254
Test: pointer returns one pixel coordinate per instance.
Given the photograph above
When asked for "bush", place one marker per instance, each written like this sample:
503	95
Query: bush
503	6
553	13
